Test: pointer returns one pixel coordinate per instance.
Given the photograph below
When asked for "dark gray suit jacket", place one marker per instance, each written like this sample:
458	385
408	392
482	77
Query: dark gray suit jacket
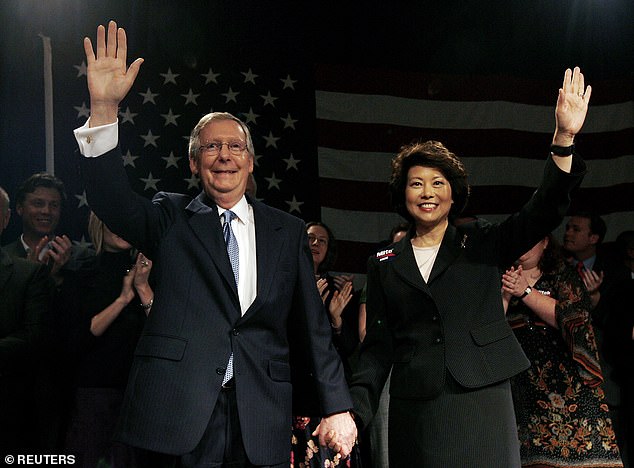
25	293
196	322
454	322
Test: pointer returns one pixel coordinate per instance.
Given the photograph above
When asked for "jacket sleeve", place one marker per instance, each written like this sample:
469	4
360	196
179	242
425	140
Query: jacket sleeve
375	355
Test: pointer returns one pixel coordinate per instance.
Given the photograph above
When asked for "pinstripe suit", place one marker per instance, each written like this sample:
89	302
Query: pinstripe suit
448	339
196	322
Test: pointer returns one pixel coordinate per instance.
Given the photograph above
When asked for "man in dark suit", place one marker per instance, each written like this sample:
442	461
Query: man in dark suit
24	300
210	383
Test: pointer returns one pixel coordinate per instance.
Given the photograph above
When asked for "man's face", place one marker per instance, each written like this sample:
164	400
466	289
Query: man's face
224	175
40	211
577	237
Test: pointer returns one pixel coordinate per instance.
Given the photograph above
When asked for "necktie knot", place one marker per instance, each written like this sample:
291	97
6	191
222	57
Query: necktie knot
580	267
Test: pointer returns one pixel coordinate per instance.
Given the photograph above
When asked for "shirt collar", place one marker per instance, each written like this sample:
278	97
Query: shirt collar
27	249
241	209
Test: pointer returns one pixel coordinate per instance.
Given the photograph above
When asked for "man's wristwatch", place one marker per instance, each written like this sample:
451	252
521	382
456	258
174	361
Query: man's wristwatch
526	292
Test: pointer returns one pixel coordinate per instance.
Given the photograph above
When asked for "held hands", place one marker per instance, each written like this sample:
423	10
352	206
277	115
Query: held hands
338	432
109	78
572	107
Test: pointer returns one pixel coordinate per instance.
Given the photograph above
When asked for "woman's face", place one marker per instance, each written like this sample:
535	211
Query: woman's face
318	241
112	242
427	196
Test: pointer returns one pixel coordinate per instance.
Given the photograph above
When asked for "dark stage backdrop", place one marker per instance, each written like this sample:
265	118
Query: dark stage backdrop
330	92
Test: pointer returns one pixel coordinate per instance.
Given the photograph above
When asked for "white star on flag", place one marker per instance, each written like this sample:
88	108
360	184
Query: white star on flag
82	244
268	99
293	205
190	97
169	76
83	201
271	140
249	77
170	118
82	70
171	160
251	116
192	181
150	140
82	111
210	77
149	96
273	182
230	95
128	159
150	182
288	82
291	162
288	122
127	116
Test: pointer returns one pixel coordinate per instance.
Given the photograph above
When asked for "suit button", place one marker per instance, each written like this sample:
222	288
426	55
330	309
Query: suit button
438	340
434	318
220	370
235	332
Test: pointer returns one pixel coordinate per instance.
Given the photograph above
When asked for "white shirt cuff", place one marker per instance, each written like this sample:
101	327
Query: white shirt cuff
96	141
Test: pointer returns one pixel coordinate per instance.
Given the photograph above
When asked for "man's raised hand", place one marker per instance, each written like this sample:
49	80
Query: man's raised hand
109	77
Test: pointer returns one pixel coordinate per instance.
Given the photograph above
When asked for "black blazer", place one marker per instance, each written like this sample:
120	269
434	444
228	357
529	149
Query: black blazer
455	322
25	293
196	323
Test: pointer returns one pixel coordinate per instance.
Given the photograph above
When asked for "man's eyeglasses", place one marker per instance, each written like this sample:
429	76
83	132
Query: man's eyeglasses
236	148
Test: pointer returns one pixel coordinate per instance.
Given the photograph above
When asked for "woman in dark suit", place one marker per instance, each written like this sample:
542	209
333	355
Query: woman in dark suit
434	307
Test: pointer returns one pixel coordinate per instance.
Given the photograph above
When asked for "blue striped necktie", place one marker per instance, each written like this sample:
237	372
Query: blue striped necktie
232	250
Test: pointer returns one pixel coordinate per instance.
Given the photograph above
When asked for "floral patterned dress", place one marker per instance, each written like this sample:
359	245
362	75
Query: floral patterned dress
561	416
306	451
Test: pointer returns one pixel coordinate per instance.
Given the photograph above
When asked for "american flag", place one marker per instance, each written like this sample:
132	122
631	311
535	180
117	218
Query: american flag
324	137
166	102
501	126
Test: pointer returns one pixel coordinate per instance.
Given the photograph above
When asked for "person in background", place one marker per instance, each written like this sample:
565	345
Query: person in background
25	294
559	404
583	237
436	294
583	234
619	339
336	293
39	202
105	305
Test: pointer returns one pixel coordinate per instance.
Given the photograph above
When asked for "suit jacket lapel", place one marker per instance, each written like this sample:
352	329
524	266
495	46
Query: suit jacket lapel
205	223
405	264
269	245
450	249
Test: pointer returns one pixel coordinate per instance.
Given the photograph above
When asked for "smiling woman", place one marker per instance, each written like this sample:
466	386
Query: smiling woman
434	313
